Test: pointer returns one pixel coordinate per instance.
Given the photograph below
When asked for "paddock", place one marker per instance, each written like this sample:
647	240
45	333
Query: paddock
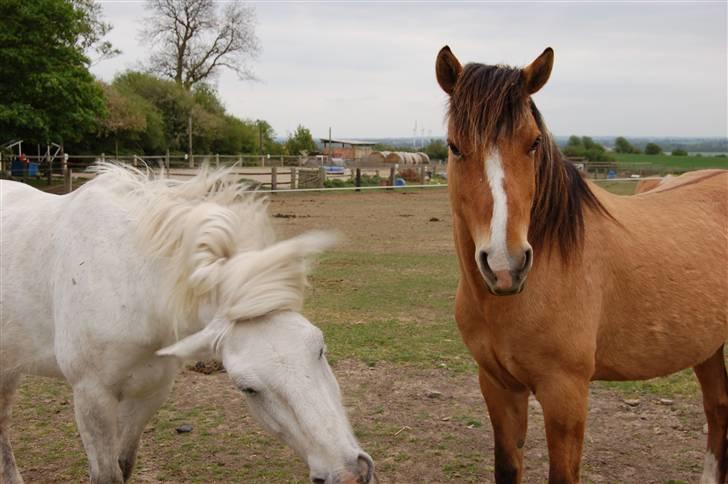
384	300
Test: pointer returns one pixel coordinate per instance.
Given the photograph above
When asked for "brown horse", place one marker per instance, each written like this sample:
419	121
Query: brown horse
619	288
648	184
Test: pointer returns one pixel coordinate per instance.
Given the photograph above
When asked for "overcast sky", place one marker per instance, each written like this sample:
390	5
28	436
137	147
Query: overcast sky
367	69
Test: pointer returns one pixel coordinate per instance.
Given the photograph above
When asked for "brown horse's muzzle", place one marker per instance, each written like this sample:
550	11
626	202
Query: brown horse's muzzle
506	282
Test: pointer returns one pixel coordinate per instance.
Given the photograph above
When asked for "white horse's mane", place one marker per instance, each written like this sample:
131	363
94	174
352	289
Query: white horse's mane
217	242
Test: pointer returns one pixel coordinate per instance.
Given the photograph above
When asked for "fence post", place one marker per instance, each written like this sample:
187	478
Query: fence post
422	174
273	178
322	176
103	157
66	174
391	176
217	160
294	182
166	160
357	180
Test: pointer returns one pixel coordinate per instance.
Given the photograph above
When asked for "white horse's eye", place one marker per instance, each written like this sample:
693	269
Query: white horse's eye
249	391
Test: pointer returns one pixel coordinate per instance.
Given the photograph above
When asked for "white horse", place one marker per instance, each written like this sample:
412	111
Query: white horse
113	286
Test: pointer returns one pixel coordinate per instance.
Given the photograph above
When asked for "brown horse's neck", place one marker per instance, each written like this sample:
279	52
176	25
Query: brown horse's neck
562	195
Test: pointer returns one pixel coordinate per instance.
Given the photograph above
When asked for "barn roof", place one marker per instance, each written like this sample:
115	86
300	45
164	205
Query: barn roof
347	142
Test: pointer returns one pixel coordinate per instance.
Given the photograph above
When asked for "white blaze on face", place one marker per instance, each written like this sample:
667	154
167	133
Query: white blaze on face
710	469
498	259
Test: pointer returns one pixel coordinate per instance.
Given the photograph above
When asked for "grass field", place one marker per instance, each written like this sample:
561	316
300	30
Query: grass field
669	162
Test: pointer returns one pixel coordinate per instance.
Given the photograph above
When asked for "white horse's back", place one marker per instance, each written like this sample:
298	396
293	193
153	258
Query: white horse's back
27	219
60	254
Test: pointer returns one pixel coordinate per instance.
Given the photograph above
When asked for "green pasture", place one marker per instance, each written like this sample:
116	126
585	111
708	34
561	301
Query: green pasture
669	162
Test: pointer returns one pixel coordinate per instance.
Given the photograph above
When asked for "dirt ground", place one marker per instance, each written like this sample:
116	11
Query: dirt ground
419	424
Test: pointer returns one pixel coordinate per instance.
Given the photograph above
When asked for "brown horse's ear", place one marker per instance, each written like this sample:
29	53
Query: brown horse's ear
537	73
448	69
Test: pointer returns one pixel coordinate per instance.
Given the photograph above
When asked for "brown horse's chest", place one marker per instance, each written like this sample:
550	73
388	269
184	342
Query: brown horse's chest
518	346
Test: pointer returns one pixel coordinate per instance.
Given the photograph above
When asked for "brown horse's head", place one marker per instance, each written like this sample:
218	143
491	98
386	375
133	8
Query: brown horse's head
494	134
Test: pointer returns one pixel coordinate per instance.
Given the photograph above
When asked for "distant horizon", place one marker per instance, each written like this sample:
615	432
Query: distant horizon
442	136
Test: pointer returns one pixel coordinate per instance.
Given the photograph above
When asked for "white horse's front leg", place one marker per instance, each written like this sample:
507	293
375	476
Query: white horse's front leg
8	471
96	416
134	413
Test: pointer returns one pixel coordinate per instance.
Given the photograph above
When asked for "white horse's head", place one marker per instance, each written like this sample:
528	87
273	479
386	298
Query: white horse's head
278	361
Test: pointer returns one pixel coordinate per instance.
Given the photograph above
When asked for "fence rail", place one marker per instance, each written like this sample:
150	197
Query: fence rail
280	173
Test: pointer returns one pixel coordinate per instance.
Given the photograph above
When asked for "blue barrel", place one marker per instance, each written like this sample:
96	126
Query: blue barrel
32	169
399	182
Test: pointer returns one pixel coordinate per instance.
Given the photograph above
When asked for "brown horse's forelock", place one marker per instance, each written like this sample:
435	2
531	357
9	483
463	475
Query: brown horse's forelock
491	101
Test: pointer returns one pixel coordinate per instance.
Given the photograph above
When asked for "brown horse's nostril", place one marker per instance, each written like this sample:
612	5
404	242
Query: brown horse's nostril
317	480
484	264
527	259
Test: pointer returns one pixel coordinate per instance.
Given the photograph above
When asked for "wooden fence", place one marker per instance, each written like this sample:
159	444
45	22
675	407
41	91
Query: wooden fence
268	172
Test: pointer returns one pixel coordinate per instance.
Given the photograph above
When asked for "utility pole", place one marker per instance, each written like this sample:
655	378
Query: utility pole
260	142
189	139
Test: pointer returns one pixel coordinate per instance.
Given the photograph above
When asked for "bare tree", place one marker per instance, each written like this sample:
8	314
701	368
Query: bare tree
196	40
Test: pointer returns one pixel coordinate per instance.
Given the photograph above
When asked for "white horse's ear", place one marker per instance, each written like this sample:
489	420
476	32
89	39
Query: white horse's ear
201	345
195	346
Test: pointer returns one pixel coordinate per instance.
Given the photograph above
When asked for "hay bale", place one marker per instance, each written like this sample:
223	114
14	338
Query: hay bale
378	156
424	158
394	157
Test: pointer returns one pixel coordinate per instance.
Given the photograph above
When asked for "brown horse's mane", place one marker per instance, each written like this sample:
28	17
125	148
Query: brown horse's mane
491	101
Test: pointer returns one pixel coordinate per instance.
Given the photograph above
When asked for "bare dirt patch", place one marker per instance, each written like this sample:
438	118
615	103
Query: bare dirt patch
399	221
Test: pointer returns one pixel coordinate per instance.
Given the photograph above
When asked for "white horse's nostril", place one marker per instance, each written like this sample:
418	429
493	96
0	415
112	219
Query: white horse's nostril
366	468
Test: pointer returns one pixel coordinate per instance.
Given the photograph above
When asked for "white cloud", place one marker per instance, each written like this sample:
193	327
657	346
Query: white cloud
368	69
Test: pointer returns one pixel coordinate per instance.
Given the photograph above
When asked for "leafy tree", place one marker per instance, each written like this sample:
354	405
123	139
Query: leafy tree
172	101
94	29
621	145
126	116
301	140
46	89
270	145
196	40
575	141
436	149
586	147
652	149
679	152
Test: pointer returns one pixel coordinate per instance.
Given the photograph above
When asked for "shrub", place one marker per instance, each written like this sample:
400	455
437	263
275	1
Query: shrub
653	149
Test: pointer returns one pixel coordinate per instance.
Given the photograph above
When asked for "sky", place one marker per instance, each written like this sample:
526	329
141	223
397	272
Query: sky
367	69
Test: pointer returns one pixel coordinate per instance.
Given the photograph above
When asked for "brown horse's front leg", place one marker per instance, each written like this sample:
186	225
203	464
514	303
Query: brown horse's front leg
565	401
508	411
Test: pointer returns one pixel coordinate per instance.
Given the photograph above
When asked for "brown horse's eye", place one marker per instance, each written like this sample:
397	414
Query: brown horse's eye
535	145
453	149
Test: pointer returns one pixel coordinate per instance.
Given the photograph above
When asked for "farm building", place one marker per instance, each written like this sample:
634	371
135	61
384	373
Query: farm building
347	149
406	158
